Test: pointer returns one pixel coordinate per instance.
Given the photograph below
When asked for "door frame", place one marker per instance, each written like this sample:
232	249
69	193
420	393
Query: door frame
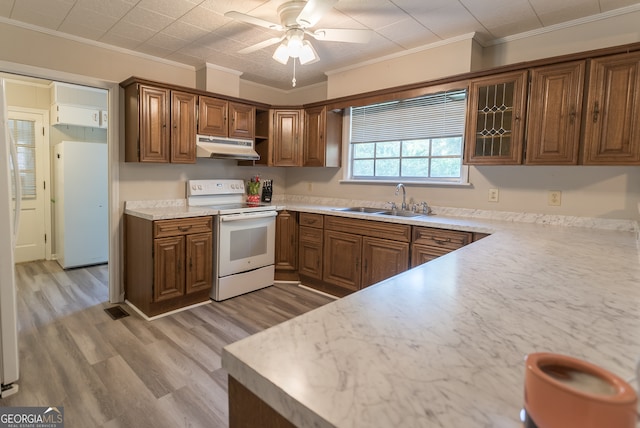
46	173
116	289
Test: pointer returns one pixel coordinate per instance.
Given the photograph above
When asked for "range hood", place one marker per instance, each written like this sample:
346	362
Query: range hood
225	148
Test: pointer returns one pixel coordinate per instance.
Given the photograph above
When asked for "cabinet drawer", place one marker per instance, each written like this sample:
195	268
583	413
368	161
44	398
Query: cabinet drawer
376	229
451	239
310	234
181	226
311	220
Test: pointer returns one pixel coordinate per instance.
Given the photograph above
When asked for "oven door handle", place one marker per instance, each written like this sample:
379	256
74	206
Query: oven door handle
247	216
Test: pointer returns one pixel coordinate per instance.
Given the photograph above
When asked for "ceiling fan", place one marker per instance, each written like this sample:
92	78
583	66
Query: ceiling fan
296	19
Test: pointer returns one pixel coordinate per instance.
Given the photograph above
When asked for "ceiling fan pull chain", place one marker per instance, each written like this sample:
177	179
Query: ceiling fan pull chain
293	81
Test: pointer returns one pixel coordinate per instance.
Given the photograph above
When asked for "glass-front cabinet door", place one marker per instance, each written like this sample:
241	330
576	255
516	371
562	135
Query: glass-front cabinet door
495	122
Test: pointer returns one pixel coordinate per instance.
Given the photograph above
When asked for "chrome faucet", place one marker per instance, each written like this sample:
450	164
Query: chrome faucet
404	195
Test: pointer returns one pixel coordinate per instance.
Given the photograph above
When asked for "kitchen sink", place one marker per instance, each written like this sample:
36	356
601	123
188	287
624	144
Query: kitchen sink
367	210
396	213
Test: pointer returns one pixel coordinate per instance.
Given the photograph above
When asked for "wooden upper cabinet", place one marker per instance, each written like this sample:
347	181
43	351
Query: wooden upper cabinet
212	117
243	121
223	118
555	112
612	116
147	124
322	137
495	119
183	131
160	125
286	134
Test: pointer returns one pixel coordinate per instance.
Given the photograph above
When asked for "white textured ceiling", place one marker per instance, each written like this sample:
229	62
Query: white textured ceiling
195	32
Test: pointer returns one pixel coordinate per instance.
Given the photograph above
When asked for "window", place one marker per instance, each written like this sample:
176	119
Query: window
416	140
24	135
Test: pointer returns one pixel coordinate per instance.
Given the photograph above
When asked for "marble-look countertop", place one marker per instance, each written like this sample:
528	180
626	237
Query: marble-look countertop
170	209
443	344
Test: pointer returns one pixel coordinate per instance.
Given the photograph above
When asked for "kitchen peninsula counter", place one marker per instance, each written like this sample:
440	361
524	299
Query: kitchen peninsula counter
444	344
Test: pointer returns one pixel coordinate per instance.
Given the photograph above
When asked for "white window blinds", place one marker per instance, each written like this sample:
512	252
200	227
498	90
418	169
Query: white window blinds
24	136
430	116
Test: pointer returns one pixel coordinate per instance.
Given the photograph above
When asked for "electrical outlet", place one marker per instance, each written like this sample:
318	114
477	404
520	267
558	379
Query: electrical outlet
554	198
493	195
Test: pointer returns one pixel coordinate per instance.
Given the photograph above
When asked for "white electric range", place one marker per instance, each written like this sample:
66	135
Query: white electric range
244	240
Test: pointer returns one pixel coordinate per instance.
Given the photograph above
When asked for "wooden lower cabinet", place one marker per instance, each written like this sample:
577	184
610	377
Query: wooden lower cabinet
359	253
168	263
247	410
423	253
310	245
340	255
382	259
286	258
342	260
168	275
428	243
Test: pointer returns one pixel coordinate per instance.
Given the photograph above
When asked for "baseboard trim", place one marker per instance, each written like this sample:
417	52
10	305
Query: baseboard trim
318	291
175	311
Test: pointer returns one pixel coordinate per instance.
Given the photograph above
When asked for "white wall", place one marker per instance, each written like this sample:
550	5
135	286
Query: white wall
447	58
265	94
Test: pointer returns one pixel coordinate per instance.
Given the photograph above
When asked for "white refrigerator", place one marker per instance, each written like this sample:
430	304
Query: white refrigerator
10	196
80	203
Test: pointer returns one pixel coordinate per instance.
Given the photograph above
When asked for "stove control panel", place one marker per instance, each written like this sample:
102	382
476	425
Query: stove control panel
214	187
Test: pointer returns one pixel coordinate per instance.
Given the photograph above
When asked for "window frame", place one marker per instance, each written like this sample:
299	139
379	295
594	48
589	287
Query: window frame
463	180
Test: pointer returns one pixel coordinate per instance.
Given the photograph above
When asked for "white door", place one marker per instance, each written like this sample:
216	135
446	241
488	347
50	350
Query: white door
27	130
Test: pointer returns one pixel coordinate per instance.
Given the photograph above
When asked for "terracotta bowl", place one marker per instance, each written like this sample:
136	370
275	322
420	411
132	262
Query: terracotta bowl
564	392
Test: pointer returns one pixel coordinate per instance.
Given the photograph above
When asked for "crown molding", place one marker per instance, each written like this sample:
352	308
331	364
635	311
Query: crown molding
564	25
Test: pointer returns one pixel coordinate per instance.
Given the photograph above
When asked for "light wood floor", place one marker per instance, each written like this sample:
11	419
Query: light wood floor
131	372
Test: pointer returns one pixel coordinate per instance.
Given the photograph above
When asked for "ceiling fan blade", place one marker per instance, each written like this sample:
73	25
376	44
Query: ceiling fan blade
313	11
342	35
261	45
253	20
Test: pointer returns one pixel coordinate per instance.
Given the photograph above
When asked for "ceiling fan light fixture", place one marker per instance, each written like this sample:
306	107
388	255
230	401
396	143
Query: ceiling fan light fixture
295	47
308	54
282	54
